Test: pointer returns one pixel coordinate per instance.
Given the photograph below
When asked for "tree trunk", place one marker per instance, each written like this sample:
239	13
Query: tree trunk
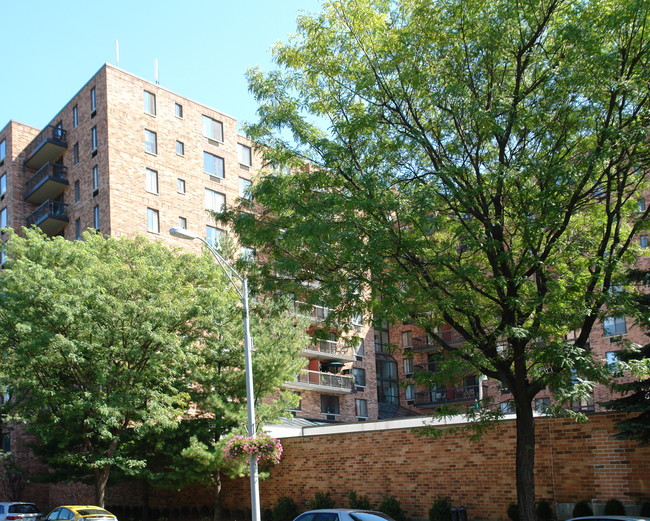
525	461
101	478
218	507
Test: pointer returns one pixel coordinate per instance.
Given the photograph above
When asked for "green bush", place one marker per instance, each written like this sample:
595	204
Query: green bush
285	510
440	510
356	501
645	509
321	500
544	511
582	509
513	511
614	508
391	506
267	514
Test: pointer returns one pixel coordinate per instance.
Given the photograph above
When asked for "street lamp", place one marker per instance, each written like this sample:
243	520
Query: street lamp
243	293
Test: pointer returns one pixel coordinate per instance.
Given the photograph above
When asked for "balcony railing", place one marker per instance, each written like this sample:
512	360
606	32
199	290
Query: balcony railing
425	343
467	393
320	313
317	380
331	350
45	147
51	217
48	183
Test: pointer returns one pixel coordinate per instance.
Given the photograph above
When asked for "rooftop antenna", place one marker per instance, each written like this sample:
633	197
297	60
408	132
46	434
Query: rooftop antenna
156	70
117	52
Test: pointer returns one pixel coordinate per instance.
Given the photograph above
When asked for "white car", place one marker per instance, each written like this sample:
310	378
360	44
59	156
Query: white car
19	511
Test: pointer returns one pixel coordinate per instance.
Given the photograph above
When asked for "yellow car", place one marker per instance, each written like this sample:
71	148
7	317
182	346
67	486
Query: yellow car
80	512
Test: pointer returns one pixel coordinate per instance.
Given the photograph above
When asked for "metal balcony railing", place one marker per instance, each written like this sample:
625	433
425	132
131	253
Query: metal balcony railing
47	146
51	217
464	393
320	313
51	180
335	382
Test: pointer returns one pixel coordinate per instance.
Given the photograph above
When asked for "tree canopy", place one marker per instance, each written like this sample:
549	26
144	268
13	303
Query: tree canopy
469	163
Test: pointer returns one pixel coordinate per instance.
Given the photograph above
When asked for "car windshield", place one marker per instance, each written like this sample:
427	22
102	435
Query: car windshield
23	508
94	512
369	516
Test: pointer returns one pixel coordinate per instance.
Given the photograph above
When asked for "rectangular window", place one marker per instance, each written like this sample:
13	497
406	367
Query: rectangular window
96	217
95	179
3	149
93	136
153	222
213	165
507	407
214	201
614	326
6	443
212	129
3	218
359	347
643	241
182	223
361	407
77	229
359	376
387	381
641	205
151	181
214	236
150	103
247	254
409	393
75	116
75	153
180	186
244	154
3	184
77	192
329	404
150	142
93	101
381	337
178	110
408	366
180	148
542	405
407	339
612	363
245	188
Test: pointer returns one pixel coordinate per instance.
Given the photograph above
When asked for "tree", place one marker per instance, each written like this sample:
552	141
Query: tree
105	340
469	163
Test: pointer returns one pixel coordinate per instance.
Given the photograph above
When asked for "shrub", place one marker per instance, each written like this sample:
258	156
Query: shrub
360	502
614	508
582	509
645	509
544	511
391	506
285	510
267	514
513	511
440	510
321	500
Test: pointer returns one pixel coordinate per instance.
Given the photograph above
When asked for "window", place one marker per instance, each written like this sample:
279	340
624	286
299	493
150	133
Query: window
213	165
612	364
180	186
75	116
614	326
507	407
178	110
387	382
3	149
212	129
361	408
381	337
408	366
329	404
151	181
150	103
93	136
641	203
6	442
542	405
247	254
75	153
182	223
359	376
150	142
77	229
245	188
153	222
407	339
96	217
93	101
3	184
77	192
3	218
180	148
214	236
244	154
214	200
95	179
643	240
359	347
409	393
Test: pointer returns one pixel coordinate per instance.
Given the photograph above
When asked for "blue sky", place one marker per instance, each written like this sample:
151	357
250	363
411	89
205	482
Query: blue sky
203	47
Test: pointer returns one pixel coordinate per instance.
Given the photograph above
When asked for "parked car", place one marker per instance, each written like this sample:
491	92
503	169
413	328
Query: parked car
342	514
80	512
609	518
19	510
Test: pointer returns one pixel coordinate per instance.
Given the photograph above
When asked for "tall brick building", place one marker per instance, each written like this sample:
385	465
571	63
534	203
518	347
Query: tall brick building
126	156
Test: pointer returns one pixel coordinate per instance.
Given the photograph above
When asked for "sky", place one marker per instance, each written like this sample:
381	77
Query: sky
203	48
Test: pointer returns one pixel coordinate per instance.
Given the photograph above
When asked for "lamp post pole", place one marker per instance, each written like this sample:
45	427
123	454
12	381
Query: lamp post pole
250	398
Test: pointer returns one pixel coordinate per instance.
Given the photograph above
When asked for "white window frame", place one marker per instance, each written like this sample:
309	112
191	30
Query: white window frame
149	103
93	137
178	110
215	201
3	184
210	126
93	101
150	142
4	218
361	407
614	326
153	220
244	188
244	155
95	178
180	148
218	233
3	149
408	366
409	393
151	180
75	116
182	223
180	185
96	217
217	164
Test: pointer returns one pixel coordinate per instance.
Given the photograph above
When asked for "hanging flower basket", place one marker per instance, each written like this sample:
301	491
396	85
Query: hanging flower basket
265	449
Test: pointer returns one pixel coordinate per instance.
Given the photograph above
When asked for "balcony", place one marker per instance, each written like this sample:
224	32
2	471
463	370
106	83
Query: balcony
324	382
425	344
438	397
48	183
51	217
45	147
319	314
330	351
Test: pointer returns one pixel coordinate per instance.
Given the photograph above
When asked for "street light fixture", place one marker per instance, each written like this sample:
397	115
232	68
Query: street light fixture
250	399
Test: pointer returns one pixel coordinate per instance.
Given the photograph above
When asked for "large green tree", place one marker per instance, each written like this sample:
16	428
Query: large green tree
106	341
470	163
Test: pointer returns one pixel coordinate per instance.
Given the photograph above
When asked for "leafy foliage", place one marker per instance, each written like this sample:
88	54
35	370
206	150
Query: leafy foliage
614	507
440	510
285	510
321	500
581	509
358	501
390	505
544	511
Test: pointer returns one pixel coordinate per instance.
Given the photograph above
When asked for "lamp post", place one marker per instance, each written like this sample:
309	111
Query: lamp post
243	293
